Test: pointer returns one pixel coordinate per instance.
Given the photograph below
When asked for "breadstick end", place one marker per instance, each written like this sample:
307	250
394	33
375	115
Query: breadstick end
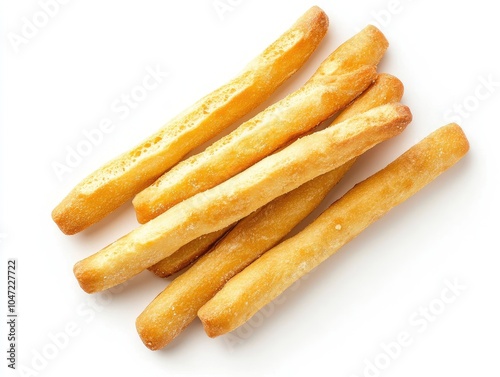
376	34
456	137
88	281
143	212
64	220
212	326
400	116
147	335
404	113
60	219
396	85
318	16
461	141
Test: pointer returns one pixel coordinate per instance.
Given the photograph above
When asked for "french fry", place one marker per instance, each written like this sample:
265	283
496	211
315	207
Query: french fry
337	81
230	201
120	179
177	306
276	270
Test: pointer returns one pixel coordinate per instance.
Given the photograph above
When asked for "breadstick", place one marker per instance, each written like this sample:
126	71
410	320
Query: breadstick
120	179
277	269
338	80
386	89
187	254
176	307
239	196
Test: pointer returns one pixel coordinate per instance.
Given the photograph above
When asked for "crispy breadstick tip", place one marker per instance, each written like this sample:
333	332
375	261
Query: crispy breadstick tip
454	136
385	89
364	48
314	17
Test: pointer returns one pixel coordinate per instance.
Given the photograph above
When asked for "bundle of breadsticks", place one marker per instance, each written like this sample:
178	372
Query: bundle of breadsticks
220	218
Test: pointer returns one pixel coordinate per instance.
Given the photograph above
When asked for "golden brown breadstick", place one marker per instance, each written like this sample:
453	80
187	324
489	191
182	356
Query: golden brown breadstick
120	179
187	254
339	79
385	89
176	307
239	196
277	269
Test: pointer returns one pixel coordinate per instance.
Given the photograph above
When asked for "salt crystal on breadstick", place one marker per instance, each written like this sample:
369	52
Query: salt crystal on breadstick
280	267
239	196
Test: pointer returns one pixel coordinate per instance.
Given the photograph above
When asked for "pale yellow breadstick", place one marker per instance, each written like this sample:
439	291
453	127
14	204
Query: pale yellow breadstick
123	177
239	196
277	269
338	80
176	307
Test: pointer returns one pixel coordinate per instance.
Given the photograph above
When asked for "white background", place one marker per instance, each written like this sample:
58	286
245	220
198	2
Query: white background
334	323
